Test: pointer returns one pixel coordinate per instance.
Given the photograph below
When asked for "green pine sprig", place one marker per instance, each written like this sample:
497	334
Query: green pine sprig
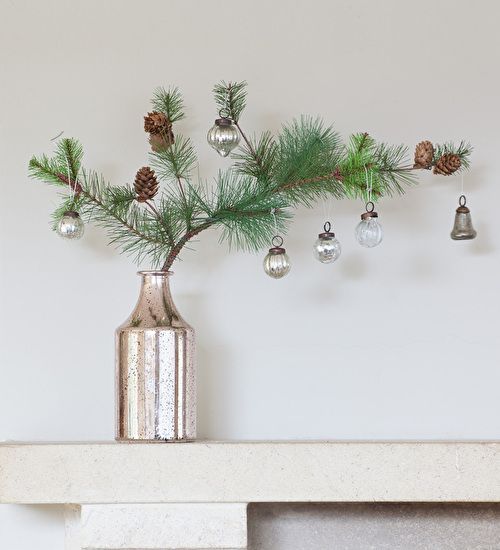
249	202
230	99
463	150
169	102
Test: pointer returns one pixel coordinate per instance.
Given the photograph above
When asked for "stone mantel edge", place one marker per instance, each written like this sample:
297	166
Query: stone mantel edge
194	495
262	471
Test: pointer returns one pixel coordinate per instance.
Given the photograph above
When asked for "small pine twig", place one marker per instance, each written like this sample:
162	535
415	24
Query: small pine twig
182	242
76	185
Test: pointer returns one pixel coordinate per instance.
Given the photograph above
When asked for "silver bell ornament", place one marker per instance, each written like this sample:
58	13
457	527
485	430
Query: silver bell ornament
327	248
368	232
462	228
223	136
277	262
70	226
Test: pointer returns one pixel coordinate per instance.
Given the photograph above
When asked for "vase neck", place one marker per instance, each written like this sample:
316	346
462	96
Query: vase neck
155	307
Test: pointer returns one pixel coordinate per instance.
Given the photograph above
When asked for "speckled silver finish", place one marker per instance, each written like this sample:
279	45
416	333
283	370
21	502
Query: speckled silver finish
155	370
462	227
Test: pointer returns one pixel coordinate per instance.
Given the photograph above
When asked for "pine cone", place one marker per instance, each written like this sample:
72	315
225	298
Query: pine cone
447	164
160	142
424	153
157	123
146	184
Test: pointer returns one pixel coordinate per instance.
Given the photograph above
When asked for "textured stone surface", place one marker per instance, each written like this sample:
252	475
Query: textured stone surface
249	472
156	527
378	526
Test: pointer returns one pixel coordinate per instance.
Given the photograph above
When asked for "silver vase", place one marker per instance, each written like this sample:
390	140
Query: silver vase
155	370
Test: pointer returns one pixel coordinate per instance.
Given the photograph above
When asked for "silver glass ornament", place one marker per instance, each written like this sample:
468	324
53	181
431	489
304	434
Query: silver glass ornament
277	262
223	136
462	228
327	248
368	232
70	226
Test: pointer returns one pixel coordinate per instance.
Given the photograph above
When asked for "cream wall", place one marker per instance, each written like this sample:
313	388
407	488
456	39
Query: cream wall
394	342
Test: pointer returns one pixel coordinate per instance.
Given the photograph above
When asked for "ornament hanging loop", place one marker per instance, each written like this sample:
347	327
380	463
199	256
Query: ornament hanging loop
277	241
225	114
462	201
327	232
370	211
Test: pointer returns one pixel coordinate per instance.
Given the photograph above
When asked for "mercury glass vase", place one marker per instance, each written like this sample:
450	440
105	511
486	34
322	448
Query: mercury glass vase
155	368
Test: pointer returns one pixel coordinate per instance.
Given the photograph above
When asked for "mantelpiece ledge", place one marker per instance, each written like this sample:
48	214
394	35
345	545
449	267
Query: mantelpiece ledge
194	495
263	471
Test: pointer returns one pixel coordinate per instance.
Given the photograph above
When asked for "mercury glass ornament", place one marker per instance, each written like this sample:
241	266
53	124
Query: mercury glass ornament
223	136
70	226
277	262
462	228
327	248
368	232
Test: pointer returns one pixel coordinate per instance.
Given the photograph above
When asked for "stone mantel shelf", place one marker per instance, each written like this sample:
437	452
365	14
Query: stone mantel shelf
203	471
194	496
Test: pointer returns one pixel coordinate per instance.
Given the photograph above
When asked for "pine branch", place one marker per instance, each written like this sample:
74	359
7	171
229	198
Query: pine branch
47	170
251	202
248	211
115	209
256	158
230	99
306	161
463	150
175	162
111	207
174	252
169	102
69	153
367	163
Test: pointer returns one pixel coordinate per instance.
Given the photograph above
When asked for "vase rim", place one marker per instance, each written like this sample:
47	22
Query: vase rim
155	273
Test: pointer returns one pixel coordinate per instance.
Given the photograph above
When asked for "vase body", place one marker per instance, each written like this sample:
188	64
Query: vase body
155	368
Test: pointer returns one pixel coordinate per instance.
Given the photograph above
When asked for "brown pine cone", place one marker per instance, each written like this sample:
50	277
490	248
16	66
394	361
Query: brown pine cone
160	142
424	154
447	164
157	123
145	184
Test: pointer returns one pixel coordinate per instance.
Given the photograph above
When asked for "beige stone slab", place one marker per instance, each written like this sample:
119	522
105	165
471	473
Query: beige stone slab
163	526
250	472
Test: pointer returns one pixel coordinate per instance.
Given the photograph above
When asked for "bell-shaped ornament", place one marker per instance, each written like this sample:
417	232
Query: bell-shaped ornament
462	228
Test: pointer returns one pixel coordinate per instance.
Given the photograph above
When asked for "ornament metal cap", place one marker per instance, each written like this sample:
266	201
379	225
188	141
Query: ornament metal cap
370	211
462	209
277	248
223	121
462	228
327	234
72	214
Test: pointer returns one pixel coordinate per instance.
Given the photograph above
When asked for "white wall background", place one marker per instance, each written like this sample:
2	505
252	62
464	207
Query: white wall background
394	342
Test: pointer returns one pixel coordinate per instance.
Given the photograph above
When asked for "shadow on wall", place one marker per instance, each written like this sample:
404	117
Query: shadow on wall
214	368
384	526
